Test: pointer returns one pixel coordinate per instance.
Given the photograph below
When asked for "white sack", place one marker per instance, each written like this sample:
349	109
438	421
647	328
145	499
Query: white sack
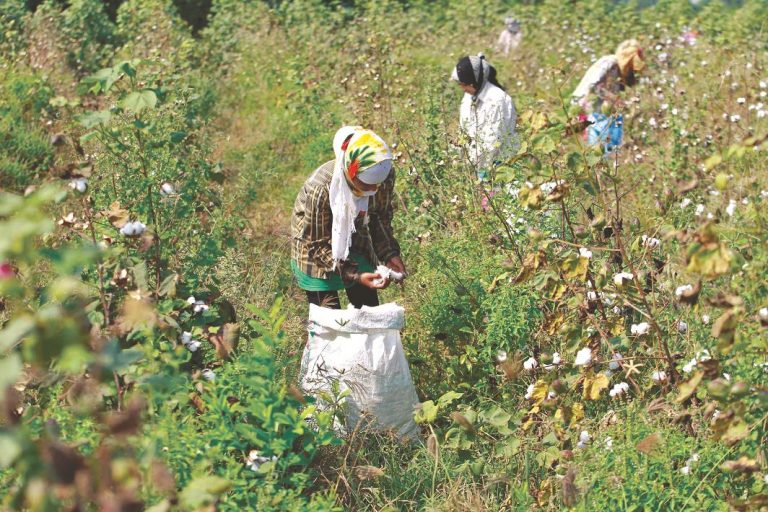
361	349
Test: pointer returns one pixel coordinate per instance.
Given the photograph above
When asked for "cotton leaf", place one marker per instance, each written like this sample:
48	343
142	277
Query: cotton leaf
593	385
139	100
688	388
649	444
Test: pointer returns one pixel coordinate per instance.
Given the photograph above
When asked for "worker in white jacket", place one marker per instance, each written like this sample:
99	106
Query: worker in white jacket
487	115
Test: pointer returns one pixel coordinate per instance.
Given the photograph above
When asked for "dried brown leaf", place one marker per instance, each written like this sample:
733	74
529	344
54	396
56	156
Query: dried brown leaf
649	444
368	472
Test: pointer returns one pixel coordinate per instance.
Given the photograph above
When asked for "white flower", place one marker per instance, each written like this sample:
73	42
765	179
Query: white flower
193	345
583	357
529	392
166	189
530	364
682	327
741	100
608	443
705	319
680	290
615	362
585	253
209	374
619	278
640	329
731	208
685	202
79	184
763	313
501	356
659	376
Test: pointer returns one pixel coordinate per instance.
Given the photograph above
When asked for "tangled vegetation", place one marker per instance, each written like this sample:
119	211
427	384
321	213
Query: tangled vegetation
584	333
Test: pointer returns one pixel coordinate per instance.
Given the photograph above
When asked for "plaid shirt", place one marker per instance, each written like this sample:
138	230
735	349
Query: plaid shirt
312	222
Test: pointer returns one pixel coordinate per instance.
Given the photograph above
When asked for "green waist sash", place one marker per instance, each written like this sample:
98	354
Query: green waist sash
333	283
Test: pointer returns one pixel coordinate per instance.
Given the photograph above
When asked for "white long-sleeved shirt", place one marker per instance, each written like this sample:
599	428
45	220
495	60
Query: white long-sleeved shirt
602	75
489	123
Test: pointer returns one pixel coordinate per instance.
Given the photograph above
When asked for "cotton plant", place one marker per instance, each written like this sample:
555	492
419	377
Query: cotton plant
198	306
191	344
133	229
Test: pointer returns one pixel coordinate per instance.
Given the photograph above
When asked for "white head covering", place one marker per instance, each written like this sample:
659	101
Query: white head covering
345	205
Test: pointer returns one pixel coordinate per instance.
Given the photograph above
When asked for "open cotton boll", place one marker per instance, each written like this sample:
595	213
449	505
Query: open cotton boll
128	229
615	364
682	327
387	273
731	208
650	242
608	443
530	364
166	189
191	299
200	307
501	356
209	374
659	376
194	345
583	357
640	329
186	337
584	436
621	277
680	290
585	253
763	313
705	319
79	184
529	392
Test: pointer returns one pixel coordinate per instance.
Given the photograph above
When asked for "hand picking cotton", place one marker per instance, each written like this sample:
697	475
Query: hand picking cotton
387	273
362	350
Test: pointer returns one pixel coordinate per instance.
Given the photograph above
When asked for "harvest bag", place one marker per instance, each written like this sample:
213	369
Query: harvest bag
361	349
604	130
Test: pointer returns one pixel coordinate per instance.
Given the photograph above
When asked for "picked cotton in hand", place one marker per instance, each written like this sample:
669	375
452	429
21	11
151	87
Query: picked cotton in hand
387	273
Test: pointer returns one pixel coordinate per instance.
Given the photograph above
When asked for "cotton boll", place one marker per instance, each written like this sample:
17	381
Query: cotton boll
194	345
685	202
763	313
680	290
530	364
705	319
650	242
591	295
585	253
200	307
529	392
583	357
501	356
166	189
139	227
614	364
608	443
699	210
186	337
191	299
731	208
621	277
551	395
640	329
659	376
79	184
128	229
685	470
682	327
209	374
584	437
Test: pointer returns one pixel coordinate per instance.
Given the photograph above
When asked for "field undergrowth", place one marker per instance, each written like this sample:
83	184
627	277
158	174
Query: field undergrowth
584	333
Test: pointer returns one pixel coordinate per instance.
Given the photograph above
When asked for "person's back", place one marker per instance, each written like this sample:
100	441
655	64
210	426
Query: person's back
489	120
602	75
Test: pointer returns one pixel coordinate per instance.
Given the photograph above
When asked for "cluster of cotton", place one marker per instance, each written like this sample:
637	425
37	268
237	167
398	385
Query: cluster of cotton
191	344
619	389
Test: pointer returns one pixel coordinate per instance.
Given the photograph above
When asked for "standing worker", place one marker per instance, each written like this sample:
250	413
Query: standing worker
342	223
487	115
598	93
510	37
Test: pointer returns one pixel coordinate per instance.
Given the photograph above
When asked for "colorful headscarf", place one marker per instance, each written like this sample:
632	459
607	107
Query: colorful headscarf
361	154
629	55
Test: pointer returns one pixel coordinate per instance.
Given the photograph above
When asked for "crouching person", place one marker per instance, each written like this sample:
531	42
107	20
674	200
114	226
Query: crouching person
342	223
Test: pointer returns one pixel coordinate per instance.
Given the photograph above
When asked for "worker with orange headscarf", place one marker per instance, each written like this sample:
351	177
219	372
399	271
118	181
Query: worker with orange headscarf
598	93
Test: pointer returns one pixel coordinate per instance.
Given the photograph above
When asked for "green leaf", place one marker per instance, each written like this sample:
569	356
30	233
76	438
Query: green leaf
139	100
688	388
177	137
10	369
15	331
427	413
204	490
93	119
10	449
448	398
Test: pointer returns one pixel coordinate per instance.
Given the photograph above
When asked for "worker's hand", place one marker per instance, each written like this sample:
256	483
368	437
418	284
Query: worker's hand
397	264
373	280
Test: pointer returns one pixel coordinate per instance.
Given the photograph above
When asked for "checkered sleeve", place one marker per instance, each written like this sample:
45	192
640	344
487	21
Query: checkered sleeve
380	224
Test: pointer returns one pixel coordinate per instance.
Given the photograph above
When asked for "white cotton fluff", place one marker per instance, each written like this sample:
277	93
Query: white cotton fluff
585	253
684	203
640	329
209	375
79	184
387	273
194	345
619	278
615	362
530	364
584	436
166	189
529	392
763	313
705	319
650	242
659	376
619	389
731	208
583	357
191	299
186	337
608	443
680	290
135	228
591	295
682	327
255	460
501	356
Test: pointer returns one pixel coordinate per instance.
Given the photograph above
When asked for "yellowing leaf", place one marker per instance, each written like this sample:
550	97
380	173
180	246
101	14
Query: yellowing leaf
540	390
593	385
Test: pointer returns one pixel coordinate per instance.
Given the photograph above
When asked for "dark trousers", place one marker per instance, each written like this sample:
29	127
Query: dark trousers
358	296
